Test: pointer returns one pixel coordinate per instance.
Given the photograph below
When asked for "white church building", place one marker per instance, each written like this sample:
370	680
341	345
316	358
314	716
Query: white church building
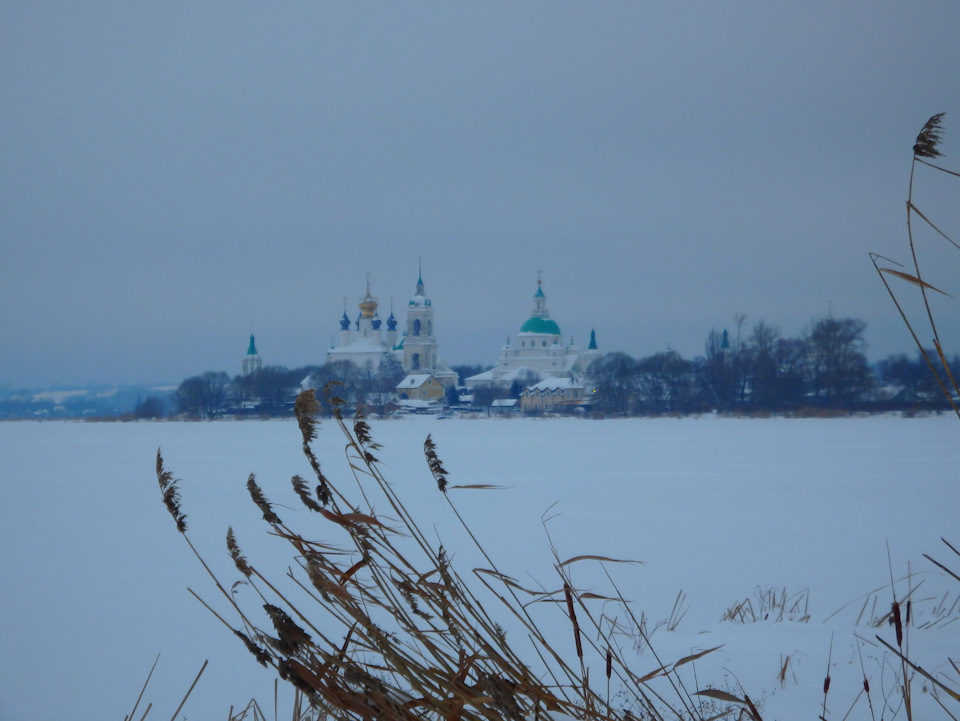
538	352
416	349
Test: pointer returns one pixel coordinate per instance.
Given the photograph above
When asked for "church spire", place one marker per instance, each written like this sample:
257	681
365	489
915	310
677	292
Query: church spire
368	306
252	362
391	321
540	300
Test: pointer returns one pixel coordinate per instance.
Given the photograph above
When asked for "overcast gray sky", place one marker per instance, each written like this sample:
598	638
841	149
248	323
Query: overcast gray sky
175	176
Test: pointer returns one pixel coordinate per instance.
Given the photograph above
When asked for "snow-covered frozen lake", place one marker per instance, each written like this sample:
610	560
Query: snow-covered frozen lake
95	574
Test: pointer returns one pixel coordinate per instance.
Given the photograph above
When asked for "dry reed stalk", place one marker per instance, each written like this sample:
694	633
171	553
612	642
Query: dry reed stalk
143	689
926	146
389	630
189	691
782	676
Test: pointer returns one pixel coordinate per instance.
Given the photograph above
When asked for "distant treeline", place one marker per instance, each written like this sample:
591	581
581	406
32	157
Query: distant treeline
751	371
755	370
271	391
763	371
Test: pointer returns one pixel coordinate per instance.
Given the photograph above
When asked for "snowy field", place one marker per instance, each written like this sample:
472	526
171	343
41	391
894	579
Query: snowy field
95	574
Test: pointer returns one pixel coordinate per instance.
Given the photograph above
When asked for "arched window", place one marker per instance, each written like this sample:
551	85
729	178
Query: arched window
415	361
416	326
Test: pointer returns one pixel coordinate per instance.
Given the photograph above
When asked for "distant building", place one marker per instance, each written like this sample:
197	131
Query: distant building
420	386
366	345
417	350
503	406
252	362
539	352
553	395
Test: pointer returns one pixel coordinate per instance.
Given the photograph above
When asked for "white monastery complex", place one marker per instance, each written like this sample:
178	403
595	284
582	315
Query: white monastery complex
538	353
367	344
548	367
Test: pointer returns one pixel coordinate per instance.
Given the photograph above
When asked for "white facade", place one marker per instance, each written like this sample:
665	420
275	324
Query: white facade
365	346
538	352
252	362
553	394
419	343
420	386
417	350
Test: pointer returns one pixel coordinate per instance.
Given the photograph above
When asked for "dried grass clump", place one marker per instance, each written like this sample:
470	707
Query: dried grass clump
381	625
770	604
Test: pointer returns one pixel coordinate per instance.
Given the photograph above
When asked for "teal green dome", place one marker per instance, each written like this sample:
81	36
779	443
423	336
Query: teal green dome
540	325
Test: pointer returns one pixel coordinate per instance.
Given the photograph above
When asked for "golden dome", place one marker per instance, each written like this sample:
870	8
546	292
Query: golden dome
368	306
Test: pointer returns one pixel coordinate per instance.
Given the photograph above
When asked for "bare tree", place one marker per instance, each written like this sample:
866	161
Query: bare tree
836	364
664	383
615	378
203	395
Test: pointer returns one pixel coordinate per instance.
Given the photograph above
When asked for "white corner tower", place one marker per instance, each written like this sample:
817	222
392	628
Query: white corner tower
252	362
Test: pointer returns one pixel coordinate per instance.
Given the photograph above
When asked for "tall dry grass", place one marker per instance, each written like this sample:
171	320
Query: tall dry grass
382	625
926	149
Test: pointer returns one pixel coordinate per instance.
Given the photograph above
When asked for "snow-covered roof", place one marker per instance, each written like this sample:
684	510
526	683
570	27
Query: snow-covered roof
556	384
522	373
485	377
504	403
414	380
361	344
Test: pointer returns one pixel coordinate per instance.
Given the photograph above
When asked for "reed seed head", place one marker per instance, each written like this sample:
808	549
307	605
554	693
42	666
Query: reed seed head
300	488
291	636
898	623
238	560
335	401
306	409
263	658
262	503
433	462
361	429
323	490
929	137
171	494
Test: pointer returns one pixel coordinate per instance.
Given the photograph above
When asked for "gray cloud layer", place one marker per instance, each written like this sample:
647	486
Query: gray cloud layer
179	175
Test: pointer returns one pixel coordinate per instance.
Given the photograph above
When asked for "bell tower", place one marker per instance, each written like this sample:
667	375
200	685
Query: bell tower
419	343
